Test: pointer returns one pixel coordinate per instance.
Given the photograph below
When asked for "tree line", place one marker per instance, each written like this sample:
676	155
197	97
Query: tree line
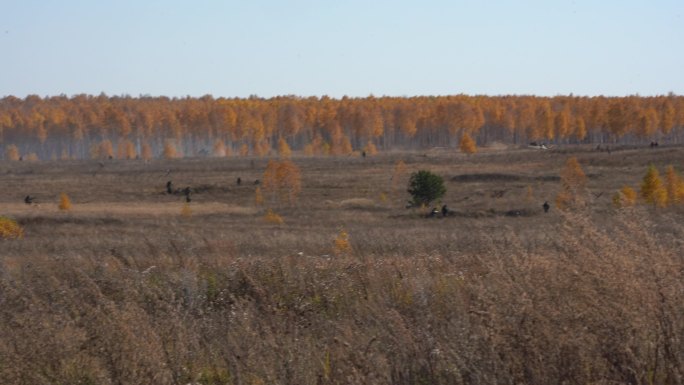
85	126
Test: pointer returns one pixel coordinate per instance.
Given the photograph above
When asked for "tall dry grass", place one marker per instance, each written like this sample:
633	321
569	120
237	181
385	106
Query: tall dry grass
589	304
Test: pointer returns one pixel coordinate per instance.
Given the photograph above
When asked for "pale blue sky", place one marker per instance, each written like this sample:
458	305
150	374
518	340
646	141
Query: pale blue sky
336	48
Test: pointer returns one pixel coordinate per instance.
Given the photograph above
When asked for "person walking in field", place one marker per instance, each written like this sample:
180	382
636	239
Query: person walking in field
546	206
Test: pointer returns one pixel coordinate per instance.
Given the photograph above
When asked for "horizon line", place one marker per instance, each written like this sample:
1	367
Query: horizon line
321	96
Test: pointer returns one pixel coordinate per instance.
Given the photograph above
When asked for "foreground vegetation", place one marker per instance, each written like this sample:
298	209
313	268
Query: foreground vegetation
596	308
133	285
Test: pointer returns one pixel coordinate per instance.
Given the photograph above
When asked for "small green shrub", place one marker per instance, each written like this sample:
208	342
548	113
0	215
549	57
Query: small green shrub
425	187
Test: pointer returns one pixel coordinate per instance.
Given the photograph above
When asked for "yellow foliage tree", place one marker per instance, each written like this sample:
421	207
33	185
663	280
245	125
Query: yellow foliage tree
467	144
10	229
244	149
626	197
325	148
318	146
340	143
284	150
282	179
370	148
12	152
146	151
105	149
219	149
580	129
273	218
269	180
346	146
170	151
126	150
308	149
64	202
573	185
121	150
341	243
674	185
289	179
652	189
262	148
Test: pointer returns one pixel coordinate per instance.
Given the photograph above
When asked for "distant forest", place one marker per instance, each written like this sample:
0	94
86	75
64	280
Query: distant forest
86	126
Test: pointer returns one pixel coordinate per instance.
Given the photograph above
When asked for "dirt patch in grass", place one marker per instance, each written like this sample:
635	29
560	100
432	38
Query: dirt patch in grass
53	221
358	204
487	177
500	177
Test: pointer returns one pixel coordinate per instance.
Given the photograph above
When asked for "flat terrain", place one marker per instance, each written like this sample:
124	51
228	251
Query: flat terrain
122	205
125	289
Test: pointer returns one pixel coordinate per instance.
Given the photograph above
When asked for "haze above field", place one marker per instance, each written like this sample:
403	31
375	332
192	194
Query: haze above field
353	48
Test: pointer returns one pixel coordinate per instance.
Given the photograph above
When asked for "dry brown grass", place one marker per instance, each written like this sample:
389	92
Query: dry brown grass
123	290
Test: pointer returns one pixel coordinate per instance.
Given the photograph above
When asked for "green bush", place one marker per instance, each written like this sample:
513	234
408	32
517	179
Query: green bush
425	187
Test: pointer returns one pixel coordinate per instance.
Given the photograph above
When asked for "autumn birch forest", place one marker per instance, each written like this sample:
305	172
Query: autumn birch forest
124	127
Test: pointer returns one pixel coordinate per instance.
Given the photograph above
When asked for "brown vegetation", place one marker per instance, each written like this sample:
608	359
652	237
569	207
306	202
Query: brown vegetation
123	290
64	202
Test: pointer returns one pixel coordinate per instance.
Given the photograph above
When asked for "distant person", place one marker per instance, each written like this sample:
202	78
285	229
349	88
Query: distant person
546	207
257	182
363	154
445	211
169	187
29	199
239	181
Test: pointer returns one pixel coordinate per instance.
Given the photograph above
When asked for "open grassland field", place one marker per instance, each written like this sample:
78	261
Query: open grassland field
122	207
133	286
